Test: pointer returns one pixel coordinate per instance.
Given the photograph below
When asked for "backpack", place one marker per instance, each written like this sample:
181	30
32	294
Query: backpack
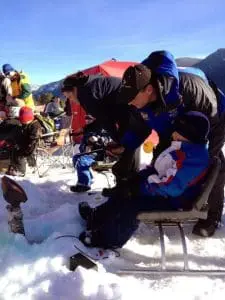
219	96
47	124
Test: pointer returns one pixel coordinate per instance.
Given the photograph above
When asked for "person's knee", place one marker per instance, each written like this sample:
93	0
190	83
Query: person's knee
116	234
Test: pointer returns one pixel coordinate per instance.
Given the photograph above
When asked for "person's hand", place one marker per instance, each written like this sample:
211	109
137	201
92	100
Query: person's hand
115	150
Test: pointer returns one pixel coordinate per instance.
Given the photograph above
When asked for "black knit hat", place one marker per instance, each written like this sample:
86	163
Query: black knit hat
135	78
75	80
194	126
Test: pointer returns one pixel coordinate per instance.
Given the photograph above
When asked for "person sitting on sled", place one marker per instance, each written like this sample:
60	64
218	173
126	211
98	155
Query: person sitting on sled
26	142
172	182
94	139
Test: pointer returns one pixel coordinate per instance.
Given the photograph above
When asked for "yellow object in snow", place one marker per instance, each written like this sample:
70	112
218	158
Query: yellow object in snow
148	146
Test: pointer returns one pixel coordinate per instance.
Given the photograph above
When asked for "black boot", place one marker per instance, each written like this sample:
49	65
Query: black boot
85	238
109	192
79	188
205	228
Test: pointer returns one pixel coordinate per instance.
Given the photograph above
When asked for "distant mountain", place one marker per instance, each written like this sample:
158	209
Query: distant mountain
214	67
52	87
34	87
187	61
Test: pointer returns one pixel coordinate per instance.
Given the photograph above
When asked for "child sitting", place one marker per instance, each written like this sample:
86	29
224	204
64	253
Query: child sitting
172	183
27	140
94	139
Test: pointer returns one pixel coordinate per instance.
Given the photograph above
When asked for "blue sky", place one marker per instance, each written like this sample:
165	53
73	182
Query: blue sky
49	39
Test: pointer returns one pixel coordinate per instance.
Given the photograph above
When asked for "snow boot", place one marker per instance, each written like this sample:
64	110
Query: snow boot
15	219
80	188
205	228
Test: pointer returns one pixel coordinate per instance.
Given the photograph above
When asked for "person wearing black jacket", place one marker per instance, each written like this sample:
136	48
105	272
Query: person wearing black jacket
100	97
26	143
96	94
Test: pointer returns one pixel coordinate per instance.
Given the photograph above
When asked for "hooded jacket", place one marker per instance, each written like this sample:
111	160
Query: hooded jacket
98	97
178	173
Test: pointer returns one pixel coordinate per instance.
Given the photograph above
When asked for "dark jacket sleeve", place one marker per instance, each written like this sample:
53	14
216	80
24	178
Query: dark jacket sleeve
133	129
198	95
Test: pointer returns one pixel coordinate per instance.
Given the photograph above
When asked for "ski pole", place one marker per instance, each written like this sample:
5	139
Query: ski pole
90	152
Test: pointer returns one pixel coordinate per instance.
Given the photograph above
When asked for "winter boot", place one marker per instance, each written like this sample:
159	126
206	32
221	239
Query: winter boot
92	238
15	219
85	238
80	188
205	228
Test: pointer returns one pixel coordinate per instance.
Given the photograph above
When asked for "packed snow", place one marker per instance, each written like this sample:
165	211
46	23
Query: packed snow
38	268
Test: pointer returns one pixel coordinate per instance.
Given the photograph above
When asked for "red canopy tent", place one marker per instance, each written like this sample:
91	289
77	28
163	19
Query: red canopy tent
108	68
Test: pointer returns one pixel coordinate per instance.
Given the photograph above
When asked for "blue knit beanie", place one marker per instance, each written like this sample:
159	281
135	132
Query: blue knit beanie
6	68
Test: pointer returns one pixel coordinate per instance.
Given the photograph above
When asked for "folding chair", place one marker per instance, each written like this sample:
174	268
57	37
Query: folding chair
177	218
54	149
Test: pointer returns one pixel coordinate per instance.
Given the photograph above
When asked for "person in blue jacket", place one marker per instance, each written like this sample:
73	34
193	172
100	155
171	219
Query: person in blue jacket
172	182
95	138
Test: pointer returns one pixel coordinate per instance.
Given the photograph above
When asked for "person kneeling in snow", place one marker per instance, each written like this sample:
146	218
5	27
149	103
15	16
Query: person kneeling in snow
172	183
26	143
94	139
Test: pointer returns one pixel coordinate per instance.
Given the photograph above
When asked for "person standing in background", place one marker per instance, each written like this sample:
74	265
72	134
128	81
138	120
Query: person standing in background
21	88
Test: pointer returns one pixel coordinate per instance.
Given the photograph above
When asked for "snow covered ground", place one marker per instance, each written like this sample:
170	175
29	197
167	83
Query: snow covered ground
38	270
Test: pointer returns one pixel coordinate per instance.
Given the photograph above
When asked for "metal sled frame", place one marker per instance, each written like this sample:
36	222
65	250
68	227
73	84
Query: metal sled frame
163	219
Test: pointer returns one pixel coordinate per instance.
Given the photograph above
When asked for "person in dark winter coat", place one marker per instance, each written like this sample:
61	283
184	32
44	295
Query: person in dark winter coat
27	141
94	139
172	182
159	93
98	96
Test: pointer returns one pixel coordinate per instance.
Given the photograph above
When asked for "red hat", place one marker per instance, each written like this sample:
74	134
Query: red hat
26	115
